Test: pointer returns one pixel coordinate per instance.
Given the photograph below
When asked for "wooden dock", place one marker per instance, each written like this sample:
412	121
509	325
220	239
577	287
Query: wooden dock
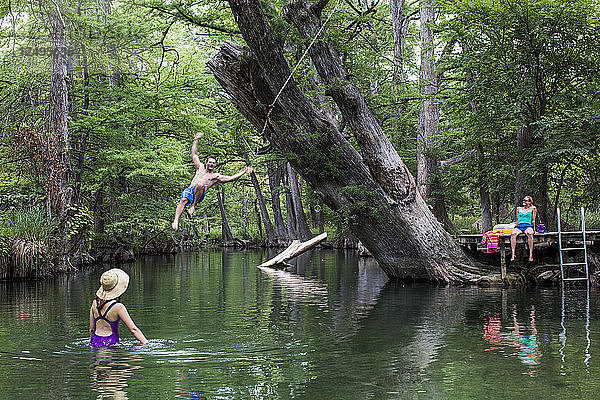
474	240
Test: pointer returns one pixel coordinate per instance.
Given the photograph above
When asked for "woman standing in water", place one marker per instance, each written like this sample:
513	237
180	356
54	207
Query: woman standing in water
107	310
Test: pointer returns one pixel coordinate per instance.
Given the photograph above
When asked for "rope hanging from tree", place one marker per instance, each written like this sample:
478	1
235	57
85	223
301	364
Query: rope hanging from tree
296	67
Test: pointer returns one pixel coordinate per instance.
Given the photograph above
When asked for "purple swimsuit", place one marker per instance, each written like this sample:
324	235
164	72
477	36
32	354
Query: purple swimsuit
98	341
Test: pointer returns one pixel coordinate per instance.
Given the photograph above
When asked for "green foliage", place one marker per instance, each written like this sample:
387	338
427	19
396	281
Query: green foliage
139	91
362	203
592	220
27	244
32	223
516	64
466	224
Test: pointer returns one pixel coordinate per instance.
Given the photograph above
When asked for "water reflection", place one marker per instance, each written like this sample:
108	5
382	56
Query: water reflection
492	327
524	337
527	343
571	311
356	295
222	328
110	370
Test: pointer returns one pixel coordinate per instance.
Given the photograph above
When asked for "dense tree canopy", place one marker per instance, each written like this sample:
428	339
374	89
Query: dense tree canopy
516	87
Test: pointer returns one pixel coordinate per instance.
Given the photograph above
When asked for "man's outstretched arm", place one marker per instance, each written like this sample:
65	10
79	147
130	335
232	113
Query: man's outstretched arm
226	178
196	160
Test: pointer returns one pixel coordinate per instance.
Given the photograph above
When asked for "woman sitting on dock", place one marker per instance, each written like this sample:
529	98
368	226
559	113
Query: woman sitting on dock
525	224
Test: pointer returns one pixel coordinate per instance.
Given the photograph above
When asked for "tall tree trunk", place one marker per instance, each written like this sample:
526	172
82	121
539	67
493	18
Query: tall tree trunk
60	195
264	214
399	30
484	193
302	227
98	211
245	215
528	183
428	178
320	218
290	213
482	180
313	213
59	112
429	111
226	233
275	186
258	218
523	185
375	191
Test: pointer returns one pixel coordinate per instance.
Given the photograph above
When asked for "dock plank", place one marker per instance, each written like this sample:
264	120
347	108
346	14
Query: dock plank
548	237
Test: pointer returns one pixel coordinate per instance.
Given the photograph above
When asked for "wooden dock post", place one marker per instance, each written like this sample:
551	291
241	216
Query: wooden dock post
502	259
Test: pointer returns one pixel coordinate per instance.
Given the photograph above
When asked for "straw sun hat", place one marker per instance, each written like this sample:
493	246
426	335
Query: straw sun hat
113	283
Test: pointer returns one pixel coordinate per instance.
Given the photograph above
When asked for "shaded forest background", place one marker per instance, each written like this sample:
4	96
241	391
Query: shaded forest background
485	102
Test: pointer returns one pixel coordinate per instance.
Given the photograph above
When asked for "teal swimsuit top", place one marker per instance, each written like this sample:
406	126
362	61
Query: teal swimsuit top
524	217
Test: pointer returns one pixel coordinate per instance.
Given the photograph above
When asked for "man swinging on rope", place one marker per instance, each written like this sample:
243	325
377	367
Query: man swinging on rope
205	177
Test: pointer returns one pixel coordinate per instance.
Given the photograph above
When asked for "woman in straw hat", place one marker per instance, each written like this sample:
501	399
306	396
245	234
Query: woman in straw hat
107	310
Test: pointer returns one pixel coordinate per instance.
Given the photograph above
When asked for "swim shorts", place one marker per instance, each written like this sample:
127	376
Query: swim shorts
523	226
189	194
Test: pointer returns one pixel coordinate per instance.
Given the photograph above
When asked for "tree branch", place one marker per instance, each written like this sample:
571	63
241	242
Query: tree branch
318	7
457	159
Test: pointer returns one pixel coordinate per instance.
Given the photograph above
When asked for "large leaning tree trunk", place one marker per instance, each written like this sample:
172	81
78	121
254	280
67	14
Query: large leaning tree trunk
375	191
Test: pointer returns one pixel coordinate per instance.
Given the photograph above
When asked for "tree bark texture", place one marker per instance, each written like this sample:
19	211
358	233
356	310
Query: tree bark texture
527	182
98	211
246	215
59	191
374	191
258	219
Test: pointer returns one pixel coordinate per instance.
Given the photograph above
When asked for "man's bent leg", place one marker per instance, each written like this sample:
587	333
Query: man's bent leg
178	212
198	195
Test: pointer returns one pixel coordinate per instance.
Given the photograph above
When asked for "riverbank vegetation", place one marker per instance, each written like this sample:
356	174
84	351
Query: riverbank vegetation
469	103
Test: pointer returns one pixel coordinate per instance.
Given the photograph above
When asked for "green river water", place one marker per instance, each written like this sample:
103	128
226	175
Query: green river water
220	328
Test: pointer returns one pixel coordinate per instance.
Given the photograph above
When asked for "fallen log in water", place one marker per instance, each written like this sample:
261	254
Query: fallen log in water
293	250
